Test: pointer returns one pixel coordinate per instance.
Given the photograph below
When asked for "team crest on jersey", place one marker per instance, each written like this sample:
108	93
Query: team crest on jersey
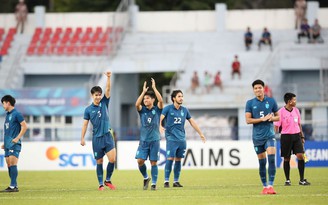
254	107
267	105
182	113
153	112
172	113
10	116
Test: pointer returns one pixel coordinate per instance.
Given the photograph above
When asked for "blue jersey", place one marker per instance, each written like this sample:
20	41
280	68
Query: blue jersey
248	35
98	115
12	128
174	122
264	130
149	119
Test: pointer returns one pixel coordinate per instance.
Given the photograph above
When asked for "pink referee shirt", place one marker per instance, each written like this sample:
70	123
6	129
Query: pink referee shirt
289	121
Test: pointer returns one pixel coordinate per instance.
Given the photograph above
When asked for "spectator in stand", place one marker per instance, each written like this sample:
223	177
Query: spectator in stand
267	91
218	81
194	82
315	31
300	10
248	38
266	38
235	67
305	31
207	81
21	14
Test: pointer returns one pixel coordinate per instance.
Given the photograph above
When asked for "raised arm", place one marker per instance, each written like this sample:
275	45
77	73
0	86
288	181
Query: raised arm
160	103
139	100
107	90
84	130
195	126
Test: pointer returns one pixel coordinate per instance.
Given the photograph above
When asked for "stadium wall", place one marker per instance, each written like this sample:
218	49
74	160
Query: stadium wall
172	21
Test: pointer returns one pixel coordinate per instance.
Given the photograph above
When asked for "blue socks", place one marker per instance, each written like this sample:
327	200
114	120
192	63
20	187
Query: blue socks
154	174
143	171
262	171
168	169
100	173
110	170
13	173
177	170
272	168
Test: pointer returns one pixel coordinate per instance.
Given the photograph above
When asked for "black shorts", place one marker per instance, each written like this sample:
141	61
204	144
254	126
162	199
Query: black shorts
290	144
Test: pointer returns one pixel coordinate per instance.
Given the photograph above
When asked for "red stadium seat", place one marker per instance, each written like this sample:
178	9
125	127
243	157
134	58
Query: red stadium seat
78	30
47	31
58	30
89	30
99	30
2	31
90	50
70	50
38	30
95	38
41	50
60	50
12	31
31	50
68	30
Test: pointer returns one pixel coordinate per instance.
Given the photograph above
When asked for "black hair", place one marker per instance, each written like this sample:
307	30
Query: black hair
8	98
151	94
96	89
174	94
288	97
258	82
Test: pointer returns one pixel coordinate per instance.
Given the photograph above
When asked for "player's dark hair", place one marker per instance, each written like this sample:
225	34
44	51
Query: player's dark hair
288	97
258	82
8	98
96	89
151	94
174	94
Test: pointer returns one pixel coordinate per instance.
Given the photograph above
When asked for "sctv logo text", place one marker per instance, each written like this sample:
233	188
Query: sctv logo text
70	159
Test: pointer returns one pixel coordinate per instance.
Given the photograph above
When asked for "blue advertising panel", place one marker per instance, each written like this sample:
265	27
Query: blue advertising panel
49	101
316	152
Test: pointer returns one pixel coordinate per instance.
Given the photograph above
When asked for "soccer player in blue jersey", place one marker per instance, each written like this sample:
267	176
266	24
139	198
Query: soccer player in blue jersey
149	132
14	129
261	111
102	140
174	117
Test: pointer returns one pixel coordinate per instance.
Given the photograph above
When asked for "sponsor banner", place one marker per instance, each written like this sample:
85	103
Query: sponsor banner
209	155
48	101
316	152
53	156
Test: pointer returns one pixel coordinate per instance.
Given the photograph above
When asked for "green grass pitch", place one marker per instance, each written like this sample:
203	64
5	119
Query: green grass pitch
200	187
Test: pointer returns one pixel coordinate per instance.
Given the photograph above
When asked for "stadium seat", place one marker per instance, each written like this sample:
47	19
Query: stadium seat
70	50
99	30
89	30
41	50
90	50
12	31
47	32
78	30
38	30
58	30
60	50
30	50
68	30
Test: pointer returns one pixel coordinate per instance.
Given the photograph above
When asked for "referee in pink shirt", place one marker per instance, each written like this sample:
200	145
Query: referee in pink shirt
292	138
